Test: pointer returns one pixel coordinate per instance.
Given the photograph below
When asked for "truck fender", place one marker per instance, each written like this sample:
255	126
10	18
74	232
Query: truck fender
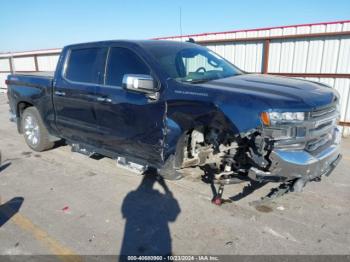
177	132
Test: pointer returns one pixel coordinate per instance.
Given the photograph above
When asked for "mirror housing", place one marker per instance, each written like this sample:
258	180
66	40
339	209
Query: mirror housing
140	83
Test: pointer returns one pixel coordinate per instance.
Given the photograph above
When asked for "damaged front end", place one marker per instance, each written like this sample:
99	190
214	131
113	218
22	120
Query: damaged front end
303	149
298	147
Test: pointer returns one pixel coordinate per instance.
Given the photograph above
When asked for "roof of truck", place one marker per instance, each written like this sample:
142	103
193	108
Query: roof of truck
135	42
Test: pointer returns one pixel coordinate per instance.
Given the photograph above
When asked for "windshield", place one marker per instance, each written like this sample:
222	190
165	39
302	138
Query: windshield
192	64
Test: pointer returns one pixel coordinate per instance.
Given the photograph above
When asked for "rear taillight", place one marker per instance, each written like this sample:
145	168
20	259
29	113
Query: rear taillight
7	82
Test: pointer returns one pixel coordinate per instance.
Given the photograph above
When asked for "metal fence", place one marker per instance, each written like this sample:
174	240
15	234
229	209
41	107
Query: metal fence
317	52
27	62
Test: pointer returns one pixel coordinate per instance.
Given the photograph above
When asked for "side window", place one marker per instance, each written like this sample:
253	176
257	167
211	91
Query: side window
84	65
123	61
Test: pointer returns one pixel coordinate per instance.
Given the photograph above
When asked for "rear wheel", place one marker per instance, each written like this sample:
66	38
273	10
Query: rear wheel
34	131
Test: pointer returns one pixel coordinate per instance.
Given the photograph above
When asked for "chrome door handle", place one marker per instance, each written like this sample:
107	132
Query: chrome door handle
104	99
59	93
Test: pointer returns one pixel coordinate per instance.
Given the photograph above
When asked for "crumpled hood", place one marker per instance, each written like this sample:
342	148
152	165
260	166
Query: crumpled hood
276	92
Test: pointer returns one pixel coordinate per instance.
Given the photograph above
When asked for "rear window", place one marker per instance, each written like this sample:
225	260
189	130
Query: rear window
84	65
123	61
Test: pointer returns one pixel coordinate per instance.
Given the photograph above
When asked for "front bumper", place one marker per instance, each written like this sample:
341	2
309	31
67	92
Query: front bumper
289	164
297	164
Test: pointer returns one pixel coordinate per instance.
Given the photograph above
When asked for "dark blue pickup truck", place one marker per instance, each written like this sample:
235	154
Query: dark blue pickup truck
177	105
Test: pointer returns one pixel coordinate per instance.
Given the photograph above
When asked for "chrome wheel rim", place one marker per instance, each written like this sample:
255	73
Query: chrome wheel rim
31	130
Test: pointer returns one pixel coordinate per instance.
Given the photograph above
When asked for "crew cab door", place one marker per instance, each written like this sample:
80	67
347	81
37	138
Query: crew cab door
74	94
130	122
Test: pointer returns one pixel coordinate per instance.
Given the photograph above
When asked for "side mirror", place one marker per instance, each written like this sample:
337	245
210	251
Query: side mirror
140	83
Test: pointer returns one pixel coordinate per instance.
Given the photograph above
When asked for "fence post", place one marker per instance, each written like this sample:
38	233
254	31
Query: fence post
266	50
36	63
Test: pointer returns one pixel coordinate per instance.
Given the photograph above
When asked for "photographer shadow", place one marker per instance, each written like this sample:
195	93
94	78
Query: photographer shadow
148	212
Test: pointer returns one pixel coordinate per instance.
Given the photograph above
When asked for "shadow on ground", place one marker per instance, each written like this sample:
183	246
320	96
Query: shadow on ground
9	209
4	166
148	212
247	190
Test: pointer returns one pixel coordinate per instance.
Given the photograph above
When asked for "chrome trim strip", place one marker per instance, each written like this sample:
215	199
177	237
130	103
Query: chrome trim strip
325	120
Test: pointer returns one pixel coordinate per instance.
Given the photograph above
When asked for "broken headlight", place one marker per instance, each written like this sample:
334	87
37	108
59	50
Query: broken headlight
285	128
273	118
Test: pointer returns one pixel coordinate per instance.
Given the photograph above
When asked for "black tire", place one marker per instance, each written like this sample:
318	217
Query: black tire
42	141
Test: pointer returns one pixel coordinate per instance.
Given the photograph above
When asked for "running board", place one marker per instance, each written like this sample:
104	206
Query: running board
122	162
82	150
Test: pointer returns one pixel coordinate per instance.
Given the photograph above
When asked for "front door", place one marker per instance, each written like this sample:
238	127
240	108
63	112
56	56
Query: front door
130	123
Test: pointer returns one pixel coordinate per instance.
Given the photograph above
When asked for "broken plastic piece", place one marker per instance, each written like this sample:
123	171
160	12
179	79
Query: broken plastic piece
65	208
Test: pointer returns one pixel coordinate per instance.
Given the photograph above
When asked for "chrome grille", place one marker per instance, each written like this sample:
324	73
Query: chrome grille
314	144
323	122
323	111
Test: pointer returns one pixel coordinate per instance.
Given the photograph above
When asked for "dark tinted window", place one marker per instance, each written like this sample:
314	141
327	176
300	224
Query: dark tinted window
187	62
123	61
83	65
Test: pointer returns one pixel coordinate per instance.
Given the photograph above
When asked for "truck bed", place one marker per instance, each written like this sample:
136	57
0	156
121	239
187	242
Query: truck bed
42	74
39	79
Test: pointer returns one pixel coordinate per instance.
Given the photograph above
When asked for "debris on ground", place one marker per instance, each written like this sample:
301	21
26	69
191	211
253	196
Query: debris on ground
65	209
281	208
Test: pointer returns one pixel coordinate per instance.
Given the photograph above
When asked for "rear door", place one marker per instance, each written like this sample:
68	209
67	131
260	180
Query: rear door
75	94
130	123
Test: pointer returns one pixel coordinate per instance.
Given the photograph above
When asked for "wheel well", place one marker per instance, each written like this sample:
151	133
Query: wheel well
206	135
21	106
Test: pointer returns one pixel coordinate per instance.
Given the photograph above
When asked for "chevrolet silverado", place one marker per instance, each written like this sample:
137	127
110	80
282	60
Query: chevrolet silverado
178	105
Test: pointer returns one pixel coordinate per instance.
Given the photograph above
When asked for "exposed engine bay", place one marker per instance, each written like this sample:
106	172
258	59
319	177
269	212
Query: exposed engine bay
255	158
259	157
229	157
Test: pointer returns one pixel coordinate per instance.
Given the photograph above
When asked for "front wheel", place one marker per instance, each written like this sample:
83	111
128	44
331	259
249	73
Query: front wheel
34	131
